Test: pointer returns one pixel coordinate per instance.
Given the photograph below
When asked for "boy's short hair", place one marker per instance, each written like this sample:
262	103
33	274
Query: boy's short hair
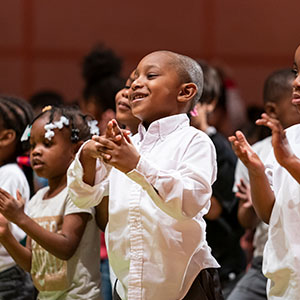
278	85
188	71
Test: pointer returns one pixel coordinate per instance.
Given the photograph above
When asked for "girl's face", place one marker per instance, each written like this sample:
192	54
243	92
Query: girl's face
50	158
296	83
123	109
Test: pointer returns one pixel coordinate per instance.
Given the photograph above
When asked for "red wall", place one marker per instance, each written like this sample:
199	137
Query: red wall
42	42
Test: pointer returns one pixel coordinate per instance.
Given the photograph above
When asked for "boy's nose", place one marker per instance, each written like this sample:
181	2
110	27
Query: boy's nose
136	84
296	83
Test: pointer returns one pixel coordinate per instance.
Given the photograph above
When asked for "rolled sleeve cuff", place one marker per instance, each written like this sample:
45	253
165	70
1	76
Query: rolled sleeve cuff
83	195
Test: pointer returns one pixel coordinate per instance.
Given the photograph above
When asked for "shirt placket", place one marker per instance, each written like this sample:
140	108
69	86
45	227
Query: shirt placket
136	231
136	246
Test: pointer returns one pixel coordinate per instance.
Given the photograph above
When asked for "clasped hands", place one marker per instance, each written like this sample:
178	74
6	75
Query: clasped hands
115	148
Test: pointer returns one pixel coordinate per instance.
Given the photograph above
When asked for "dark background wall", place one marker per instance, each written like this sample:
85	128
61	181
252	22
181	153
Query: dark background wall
42	42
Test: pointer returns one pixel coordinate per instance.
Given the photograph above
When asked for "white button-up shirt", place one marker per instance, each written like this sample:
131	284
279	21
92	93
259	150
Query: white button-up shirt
156	232
281	259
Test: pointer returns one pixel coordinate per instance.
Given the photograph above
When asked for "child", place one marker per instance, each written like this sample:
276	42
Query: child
58	232
101	70
277	96
125	117
159	186
15	114
123	110
222	224
277	203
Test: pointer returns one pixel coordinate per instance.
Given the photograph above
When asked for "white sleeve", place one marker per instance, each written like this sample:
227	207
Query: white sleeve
83	195
269	166
241	172
11	180
183	189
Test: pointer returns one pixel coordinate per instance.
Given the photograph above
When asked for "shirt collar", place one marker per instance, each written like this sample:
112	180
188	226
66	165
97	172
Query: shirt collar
164	126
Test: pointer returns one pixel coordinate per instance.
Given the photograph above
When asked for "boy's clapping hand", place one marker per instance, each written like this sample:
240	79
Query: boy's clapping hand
116	148
245	153
282	150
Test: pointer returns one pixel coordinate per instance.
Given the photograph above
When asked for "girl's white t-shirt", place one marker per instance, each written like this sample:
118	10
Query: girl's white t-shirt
78	277
12	179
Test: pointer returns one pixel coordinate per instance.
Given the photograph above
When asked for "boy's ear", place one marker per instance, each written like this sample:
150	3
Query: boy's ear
7	137
271	109
187	92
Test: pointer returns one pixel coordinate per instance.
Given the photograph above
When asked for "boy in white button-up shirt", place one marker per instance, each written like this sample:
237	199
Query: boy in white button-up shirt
159	187
275	195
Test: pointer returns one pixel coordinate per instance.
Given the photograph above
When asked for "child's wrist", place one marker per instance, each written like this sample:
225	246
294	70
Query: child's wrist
132	165
289	161
258	170
20	220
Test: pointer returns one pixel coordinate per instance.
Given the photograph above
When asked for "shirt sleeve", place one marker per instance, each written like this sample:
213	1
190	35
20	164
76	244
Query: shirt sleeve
11	180
269	166
183	188
83	195
71	208
241	172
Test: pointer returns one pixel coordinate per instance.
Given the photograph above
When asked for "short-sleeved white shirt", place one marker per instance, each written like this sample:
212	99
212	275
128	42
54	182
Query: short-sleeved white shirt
76	278
12	179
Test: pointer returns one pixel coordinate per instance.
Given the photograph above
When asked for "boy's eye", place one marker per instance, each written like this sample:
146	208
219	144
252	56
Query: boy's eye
151	75
31	145
295	71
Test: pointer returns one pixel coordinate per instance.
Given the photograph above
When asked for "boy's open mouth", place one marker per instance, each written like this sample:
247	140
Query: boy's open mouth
138	96
296	98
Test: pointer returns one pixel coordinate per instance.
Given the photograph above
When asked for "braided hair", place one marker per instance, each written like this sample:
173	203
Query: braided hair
15	114
78	122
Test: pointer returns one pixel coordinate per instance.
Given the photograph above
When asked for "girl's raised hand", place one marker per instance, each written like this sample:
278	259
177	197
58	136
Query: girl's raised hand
280	143
245	153
12	209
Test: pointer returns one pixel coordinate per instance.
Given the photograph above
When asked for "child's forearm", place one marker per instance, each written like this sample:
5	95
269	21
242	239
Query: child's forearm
102	213
20	254
292	165
247	217
62	245
262	196
89	167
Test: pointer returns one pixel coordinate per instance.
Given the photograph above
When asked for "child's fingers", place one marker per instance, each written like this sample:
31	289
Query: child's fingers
109	133
117	130
4	193
20	198
272	123
104	143
241	196
241	188
232	138
241	138
126	134
106	158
